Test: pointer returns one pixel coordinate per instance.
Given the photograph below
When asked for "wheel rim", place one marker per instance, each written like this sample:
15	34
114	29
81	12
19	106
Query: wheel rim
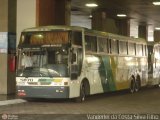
132	86
136	86
82	93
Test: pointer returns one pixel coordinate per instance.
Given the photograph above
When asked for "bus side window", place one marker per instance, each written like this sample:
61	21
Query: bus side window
103	45
144	50
157	52
77	38
123	47
131	48
91	43
114	46
139	49
109	45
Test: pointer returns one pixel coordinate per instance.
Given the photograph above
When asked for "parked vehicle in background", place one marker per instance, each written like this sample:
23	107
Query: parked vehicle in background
154	63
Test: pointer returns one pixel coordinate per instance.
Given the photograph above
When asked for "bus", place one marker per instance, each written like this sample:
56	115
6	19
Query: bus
74	62
154	63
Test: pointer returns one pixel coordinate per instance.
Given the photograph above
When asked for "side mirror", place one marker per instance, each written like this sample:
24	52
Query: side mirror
73	57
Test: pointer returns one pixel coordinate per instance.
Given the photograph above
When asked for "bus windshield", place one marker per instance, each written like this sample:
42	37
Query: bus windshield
43	62
31	39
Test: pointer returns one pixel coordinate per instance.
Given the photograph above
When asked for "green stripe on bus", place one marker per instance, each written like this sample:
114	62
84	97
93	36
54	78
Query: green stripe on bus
106	74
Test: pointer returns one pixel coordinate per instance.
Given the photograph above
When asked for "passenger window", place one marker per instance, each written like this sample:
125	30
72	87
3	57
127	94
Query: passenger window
114	46
77	38
157	52
123	47
144	50
103	45
131	48
91	43
139	49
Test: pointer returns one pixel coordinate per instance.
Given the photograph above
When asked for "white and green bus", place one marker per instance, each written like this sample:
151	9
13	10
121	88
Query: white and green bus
73	62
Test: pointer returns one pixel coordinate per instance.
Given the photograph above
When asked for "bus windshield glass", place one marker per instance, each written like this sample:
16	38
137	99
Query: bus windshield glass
43	62
43	38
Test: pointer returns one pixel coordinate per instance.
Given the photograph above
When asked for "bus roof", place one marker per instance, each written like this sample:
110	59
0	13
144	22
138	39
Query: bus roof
86	30
51	28
115	36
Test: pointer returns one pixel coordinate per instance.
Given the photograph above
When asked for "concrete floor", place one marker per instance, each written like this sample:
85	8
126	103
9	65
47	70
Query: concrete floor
7	97
146	101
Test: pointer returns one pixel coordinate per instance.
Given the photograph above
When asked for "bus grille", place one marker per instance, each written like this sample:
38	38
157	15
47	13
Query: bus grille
45	83
32	83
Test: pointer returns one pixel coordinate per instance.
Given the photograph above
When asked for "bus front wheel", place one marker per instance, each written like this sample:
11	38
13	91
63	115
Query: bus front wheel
82	96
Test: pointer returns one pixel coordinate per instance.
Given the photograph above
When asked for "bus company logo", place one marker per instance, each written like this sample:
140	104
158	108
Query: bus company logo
4	116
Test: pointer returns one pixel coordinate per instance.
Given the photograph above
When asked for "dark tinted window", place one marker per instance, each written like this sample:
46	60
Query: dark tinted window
114	46
77	38
131	48
103	45
139	49
91	43
144	50
123	47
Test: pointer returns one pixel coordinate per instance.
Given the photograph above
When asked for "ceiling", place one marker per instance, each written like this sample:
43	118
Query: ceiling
142	11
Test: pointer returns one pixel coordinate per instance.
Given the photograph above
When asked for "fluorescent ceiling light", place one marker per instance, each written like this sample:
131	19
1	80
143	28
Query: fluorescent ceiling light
156	3
157	28
121	15
91	5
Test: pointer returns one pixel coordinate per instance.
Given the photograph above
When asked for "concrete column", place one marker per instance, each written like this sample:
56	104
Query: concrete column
26	15
102	22
123	26
53	12
98	20
142	31
7	27
31	13
133	28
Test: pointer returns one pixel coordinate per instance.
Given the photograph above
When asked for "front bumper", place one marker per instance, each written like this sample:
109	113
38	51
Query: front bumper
43	91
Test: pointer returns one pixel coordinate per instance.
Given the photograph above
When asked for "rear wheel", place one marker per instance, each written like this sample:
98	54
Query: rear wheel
132	85
137	84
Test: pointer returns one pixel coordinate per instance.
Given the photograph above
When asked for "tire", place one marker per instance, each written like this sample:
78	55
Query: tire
132	85
82	96
137	85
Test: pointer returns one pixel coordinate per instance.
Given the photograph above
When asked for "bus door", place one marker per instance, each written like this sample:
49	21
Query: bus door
76	62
